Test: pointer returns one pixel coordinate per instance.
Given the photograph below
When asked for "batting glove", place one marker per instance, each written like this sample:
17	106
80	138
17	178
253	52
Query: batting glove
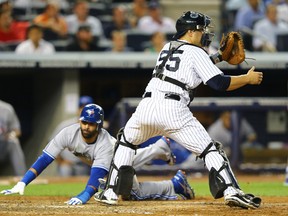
18	188
74	201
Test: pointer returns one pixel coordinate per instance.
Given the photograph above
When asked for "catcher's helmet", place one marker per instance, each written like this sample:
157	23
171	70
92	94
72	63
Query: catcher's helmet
191	20
92	113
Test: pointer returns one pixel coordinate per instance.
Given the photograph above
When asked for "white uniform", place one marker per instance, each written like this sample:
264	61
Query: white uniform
100	153
11	146
157	115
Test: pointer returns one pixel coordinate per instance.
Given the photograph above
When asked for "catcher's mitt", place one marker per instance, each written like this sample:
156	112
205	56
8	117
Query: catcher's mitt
232	48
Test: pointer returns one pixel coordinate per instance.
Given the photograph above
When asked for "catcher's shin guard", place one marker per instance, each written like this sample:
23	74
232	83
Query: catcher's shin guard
217	183
124	180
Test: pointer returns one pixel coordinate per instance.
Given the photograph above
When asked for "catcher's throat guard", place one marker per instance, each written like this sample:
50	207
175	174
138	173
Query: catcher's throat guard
124	181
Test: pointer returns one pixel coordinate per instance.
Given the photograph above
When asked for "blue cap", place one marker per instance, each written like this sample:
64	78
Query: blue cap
84	100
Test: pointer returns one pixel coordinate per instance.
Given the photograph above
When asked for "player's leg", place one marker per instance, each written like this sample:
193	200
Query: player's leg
158	150
81	169
152	190
192	135
171	189
123	157
64	169
65	162
17	157
137	130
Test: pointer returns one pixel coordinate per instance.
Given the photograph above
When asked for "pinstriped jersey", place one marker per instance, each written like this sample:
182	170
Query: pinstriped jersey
99	153
188	64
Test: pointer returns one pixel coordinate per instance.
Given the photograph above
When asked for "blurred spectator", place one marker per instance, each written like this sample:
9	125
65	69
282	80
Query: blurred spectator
11	30
63	4
158	40
119	21
155	21
80	17
266	30
69	164
221	130
229	9
249	14
282	10
245	19
5	5
119	42
35	43
235	5
83	41
53	23
138	10
10	131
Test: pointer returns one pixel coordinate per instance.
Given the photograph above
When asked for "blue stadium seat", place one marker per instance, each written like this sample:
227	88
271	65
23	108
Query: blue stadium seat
137	40
98	9
282	42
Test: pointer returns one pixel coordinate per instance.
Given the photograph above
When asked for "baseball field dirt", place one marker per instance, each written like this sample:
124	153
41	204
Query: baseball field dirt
54	205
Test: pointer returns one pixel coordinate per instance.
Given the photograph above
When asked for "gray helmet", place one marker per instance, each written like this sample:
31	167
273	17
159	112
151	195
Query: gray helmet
191	20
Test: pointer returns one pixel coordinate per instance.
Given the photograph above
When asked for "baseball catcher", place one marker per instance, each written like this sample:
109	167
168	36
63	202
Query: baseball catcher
182	65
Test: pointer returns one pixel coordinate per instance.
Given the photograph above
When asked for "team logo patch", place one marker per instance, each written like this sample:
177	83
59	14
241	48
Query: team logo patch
90	112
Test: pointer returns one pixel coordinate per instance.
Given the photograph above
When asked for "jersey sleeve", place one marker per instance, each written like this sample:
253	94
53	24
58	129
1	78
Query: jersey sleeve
57	144
204	67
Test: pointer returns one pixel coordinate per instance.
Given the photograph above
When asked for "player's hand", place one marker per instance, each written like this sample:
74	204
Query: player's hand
254	77
74	201
18	188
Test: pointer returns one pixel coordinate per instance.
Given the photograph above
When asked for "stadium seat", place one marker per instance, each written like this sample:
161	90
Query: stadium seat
137	40
98	9
282	42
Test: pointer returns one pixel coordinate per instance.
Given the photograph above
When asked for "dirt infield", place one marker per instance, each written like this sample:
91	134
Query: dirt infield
47	205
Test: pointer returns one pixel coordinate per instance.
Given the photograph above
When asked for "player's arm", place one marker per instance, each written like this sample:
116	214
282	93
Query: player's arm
216	57
229	83
251	78
36	169
91	187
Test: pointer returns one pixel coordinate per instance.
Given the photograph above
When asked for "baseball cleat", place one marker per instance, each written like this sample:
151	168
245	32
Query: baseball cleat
246	201
100	197
172	158
181	185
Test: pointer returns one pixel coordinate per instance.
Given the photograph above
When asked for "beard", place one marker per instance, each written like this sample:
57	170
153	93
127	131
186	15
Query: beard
88	134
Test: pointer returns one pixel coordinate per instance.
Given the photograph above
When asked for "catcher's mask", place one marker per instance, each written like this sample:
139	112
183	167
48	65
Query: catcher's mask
93	113
192	20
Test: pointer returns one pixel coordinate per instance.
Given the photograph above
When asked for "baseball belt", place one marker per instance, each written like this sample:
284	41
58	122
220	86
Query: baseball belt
166	96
